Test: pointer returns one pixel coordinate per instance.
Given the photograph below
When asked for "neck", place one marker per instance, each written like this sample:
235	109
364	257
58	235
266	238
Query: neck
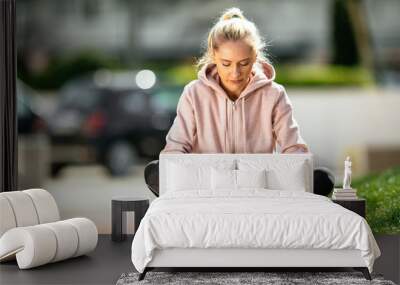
233	95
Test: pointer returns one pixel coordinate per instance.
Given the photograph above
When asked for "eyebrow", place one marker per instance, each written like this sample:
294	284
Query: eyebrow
239	60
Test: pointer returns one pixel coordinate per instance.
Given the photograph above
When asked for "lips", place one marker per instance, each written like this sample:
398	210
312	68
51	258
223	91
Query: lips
236	81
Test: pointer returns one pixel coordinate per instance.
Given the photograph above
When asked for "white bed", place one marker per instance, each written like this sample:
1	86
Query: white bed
268	217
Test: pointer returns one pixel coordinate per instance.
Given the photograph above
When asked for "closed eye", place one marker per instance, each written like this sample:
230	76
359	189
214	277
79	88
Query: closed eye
242	63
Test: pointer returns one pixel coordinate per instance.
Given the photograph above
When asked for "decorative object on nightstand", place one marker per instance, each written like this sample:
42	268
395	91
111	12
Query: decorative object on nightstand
347	193
119	205
344	194
347	196
347	173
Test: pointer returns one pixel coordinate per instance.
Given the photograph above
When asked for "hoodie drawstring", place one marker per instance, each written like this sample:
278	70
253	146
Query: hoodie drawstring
244	126
226	124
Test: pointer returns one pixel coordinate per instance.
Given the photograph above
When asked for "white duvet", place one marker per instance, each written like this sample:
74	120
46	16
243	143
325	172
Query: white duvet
250	219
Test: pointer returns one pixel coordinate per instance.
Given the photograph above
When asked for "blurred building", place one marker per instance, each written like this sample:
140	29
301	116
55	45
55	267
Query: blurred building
296	30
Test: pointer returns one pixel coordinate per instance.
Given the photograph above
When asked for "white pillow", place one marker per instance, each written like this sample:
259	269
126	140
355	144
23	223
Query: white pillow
186	174
281	174
187	177
251	178
223	179
293	178
227	179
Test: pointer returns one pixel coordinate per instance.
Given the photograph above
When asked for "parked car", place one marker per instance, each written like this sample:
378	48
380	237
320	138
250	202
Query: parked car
111	124
29	119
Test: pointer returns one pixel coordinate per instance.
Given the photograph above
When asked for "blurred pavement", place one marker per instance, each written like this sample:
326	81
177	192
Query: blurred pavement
86	191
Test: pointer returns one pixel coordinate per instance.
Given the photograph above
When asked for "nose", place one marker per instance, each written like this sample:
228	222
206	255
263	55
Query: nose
236	71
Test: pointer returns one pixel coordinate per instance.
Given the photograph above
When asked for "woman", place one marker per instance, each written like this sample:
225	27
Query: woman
234	106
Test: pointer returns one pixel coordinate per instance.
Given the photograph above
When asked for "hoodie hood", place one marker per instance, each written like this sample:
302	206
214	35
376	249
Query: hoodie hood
262	74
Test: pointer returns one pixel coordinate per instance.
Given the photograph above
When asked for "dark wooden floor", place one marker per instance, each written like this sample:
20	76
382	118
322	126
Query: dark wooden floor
102	266
110	259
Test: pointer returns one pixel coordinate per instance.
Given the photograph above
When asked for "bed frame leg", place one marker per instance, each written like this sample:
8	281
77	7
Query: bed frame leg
364	271
143	274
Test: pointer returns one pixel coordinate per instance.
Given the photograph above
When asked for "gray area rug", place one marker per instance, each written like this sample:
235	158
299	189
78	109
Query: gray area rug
225	278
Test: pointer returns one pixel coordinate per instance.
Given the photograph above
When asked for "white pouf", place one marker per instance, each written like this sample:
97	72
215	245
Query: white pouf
31	232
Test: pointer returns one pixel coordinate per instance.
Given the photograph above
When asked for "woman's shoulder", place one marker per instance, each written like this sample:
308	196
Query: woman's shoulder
195	84
194	88
273	90
190	91
275	86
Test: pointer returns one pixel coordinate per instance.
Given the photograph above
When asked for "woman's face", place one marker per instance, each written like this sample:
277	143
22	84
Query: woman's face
234	60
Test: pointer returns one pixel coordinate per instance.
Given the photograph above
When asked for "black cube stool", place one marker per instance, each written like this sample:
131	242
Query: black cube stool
119	205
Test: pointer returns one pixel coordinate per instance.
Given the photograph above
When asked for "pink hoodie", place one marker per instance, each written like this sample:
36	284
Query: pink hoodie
208	121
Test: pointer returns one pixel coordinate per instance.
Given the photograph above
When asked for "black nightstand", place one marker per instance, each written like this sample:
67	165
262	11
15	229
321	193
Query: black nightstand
355	205
119	205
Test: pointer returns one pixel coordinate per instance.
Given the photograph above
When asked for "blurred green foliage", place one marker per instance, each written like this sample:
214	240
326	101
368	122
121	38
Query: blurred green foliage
62	69
323	75
296	75
343	35
382	193
181	74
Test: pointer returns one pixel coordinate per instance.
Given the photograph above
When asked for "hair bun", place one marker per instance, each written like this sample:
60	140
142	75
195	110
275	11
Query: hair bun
232	13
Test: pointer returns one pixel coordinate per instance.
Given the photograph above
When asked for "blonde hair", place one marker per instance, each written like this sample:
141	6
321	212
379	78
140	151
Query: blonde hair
232	25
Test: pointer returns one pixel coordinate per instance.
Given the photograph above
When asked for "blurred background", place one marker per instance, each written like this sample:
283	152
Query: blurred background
99	81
